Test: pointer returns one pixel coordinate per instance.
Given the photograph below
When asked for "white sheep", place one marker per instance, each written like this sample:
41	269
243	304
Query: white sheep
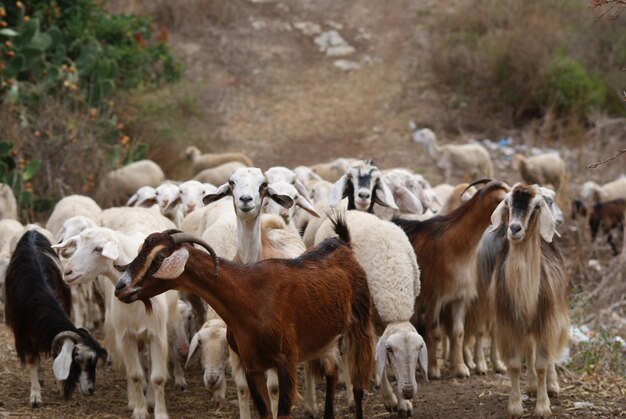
96	251
288	214
191	193
144	197
199	220
8	204
201	161
542	169
71	206
219	174
393	277
211	340
131	219
615	189
465	159
168	199
118	185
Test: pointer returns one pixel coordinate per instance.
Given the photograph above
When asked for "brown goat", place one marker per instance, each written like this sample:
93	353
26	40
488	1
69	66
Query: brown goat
529	293
609	216
278	311
445	247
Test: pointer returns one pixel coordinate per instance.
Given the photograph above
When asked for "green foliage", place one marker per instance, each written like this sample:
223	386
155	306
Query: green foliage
532	57
17	173
570	88
604	352
78	54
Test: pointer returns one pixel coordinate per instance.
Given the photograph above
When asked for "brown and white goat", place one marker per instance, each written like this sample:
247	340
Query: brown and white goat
279	311
529	294
445	247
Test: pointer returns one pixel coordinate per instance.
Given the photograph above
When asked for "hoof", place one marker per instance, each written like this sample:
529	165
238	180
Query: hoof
391	407
499	369
181	386
140	414
35	402
434	374
543	412
516	410
461	371
403	414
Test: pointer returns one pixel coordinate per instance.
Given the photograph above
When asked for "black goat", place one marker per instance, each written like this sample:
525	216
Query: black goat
37	311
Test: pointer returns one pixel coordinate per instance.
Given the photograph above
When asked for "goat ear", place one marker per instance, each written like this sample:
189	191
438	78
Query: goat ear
306	205
407	201
282	200
63	361
111	250
496	216
547	225
173	265
220	193
381	358
195	343
302	190
338	191
385	197
422	359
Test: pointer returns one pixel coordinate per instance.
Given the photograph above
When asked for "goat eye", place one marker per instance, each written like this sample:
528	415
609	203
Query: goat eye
389	349
98	249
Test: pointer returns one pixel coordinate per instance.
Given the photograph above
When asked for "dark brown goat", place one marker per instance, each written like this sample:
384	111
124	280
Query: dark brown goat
610	217
37	311
445	247
278	311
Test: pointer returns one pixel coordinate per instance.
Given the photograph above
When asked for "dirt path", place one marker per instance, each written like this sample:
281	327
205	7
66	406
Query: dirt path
447	398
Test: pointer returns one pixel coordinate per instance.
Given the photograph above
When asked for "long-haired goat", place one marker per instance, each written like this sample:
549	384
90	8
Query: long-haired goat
529	293
279	311
445	247
37	311
479	317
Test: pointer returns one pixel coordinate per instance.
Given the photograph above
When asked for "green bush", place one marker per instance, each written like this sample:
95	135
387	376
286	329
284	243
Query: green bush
570	89
61	64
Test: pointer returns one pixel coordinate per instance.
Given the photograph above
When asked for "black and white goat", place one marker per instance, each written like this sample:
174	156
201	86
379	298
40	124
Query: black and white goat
363	186
37	311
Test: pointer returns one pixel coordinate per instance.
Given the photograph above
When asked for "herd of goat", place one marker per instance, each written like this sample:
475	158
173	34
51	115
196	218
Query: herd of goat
336	266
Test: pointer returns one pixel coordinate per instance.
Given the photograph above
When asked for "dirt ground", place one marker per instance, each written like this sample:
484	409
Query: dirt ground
475	397
265	89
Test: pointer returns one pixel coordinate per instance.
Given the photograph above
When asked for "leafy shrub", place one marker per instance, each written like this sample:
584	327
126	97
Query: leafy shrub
61	63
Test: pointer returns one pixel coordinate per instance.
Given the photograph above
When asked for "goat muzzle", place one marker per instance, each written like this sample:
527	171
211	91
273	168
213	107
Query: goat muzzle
180	238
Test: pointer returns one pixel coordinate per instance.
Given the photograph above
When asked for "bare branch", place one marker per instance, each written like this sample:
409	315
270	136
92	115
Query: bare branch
596	164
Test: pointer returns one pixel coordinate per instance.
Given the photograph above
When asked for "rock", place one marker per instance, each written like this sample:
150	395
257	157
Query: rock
308	28
333	44
346	65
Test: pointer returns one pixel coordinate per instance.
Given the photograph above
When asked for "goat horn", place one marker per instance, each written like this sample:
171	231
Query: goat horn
476	182
172	231
188	238
57	342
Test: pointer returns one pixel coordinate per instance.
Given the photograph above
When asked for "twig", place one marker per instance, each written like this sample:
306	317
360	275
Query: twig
596	164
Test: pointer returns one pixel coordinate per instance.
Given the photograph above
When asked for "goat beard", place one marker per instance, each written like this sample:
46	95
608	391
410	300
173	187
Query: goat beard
148	305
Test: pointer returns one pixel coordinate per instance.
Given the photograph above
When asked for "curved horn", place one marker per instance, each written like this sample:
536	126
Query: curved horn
57	342
476	182
172	231
188	238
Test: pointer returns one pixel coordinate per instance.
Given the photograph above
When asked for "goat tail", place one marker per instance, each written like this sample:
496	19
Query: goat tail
359	339
340	226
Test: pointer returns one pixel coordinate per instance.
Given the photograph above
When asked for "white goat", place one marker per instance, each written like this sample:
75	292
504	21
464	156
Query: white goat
96	251
145	197
249	188
466	159
8	204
